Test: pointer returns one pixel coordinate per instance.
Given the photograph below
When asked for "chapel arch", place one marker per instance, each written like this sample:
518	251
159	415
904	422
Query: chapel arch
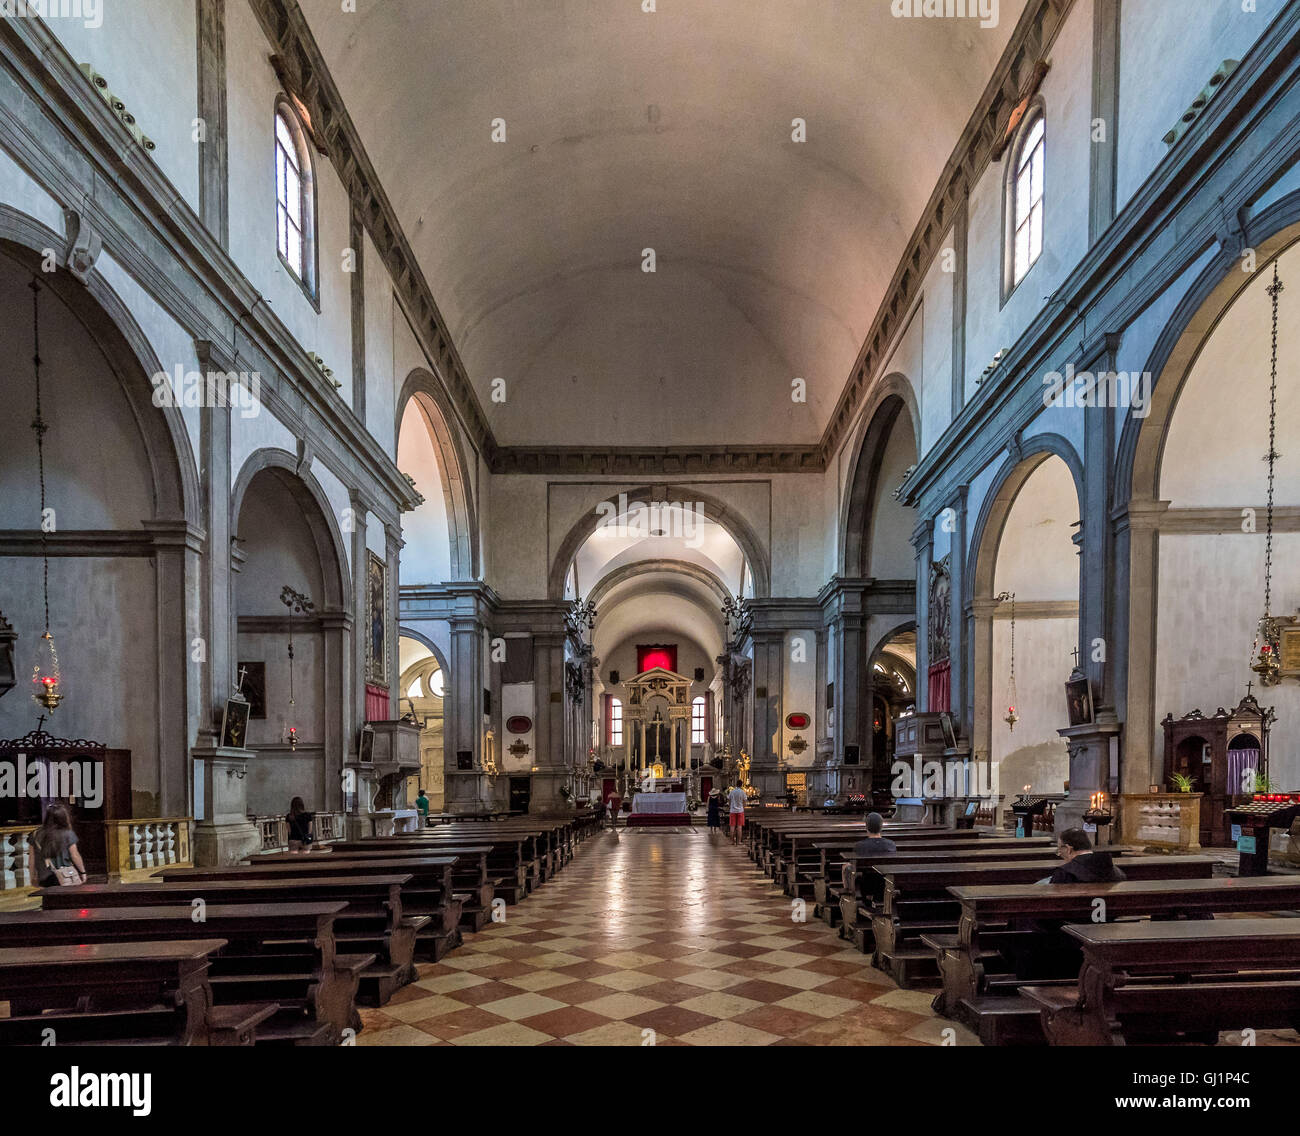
1199	511
1024	545
285	537
122	486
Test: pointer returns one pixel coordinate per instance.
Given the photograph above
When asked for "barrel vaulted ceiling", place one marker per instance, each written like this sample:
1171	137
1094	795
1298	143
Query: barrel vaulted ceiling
672	131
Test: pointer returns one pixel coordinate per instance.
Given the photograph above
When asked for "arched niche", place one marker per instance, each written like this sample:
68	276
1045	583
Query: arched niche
1209	551
121	482
285	537
428	448
1024	544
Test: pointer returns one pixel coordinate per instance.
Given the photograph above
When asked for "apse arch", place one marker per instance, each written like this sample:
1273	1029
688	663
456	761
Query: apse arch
109	322
458	497
714	509
316	510
405	632
893	395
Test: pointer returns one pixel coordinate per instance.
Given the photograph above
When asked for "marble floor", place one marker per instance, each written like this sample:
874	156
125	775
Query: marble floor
656	937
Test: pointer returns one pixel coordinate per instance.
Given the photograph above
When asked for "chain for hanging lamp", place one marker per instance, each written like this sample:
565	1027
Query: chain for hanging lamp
1011	717
47	676
1266	650
298	604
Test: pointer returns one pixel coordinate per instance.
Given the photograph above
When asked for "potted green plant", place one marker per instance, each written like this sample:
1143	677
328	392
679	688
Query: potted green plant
1182	783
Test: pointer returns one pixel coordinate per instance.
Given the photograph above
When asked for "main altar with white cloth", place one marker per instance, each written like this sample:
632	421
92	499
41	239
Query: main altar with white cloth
658	803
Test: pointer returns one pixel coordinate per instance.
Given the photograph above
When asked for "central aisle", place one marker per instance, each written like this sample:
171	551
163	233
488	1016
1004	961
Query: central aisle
660	931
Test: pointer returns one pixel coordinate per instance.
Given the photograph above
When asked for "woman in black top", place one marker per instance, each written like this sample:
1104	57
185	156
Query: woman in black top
300	826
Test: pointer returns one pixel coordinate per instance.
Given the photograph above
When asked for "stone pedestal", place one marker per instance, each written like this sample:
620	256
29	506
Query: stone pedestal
468	791
1089	747
224	835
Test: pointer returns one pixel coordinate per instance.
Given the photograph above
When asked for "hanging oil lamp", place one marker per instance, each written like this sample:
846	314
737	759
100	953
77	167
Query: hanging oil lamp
47	677
1266	650
298	604
1012	698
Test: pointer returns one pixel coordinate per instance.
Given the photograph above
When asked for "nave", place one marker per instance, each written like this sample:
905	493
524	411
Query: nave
656	930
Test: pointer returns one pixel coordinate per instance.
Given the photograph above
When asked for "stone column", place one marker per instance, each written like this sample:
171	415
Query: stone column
769	650
923	542
956	607
465	790
551	770
336	638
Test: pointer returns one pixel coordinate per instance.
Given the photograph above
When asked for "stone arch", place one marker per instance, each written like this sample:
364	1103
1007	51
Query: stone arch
1140	457
111	325
714	509
893	395
1141	443
986	534
405	632
458	495
316	510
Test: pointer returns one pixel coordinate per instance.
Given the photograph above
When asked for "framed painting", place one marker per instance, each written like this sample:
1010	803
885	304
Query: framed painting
376	630
1078	696
234	724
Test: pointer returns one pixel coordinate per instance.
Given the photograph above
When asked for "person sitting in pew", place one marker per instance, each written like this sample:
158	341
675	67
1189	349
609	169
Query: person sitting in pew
52	854
875	844
1050	952
1083	865
300	826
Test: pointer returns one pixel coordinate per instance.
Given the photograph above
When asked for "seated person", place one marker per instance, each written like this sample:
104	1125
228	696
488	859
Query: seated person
1052	953
1082	865
875	844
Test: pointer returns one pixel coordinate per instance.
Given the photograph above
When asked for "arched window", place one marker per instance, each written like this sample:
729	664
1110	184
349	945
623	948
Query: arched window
697	721
295	200
1025	198
615	722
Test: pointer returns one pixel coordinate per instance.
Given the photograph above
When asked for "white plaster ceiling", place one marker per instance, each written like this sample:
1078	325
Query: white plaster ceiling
668	534
662	601
672	131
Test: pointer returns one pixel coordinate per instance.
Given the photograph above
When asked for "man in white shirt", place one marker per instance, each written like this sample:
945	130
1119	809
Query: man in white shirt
736	812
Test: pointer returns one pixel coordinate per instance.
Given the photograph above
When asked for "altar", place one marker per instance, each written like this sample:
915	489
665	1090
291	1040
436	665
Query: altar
656	804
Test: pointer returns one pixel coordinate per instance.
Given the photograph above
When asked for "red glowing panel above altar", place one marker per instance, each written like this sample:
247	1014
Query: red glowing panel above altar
651	655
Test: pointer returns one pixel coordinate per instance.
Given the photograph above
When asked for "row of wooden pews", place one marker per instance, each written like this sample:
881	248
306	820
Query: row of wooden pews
1142	960
277	950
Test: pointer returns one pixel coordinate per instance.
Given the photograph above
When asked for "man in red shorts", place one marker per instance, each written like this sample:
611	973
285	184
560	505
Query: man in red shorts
736	812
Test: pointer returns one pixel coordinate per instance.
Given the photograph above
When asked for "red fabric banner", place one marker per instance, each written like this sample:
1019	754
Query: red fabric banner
941	686
376	703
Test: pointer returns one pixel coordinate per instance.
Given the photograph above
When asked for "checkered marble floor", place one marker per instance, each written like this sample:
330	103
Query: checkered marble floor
658	931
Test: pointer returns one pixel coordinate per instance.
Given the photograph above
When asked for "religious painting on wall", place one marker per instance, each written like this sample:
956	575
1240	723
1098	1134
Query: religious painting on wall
940	628
1078	696
253	687
234	724
376	620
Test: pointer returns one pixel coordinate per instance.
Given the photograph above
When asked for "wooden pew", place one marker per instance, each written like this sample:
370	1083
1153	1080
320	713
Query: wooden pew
327	998
141	993
979	991
470	879
857	902
1163	981
262	940
915	901
515	862
430	910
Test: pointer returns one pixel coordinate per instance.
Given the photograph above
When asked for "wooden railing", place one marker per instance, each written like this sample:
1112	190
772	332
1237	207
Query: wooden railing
13	857
133	843
274	830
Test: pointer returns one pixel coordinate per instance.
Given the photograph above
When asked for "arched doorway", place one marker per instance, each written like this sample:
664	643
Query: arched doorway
422	690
